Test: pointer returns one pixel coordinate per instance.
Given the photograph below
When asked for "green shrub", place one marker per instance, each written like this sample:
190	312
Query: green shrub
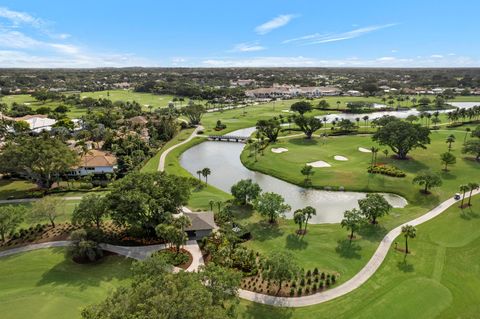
299	291
302	282
386	170
292	292
315	271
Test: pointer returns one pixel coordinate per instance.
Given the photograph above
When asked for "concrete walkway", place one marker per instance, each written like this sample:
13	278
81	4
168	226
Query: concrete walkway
134	252
361	277
143	252
161	163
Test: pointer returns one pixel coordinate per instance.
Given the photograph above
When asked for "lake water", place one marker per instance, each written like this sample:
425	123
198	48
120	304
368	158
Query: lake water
223	158
399	114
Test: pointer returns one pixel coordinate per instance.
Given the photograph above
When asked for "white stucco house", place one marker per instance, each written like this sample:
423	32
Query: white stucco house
95	162
38	122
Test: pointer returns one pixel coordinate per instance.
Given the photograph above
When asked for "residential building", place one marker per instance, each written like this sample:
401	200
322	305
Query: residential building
95	162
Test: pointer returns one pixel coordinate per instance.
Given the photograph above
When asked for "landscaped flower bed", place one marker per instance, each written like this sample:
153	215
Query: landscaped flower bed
386	170
310	282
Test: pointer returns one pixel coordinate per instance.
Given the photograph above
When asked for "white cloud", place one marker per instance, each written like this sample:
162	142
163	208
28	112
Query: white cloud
275	23
17	40
247	47
394	51
18	18
318	38
436	56
386	58
301	61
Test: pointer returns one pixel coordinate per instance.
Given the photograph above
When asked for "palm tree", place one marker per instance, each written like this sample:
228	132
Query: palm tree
205	172
449	141
338	104
199	173
463	188
473	186
219	205
299	218
211	202
447	159
374	151
467	130
357	119
408	231
385	151
308	211
365	118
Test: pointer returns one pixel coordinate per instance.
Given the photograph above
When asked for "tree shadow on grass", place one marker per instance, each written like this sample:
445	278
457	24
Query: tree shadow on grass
83	276
405	266
256	310
264	231
468	214
242	212
347	249
304	141
372	232
295	242
426	200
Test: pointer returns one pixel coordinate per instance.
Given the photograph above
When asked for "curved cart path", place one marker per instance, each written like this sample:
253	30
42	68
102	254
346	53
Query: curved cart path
361	277
161	162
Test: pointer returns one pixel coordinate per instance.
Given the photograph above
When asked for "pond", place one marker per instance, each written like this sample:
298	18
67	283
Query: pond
223	158
400	114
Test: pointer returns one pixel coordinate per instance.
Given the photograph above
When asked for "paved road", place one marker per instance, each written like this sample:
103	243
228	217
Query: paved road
361	277
161	163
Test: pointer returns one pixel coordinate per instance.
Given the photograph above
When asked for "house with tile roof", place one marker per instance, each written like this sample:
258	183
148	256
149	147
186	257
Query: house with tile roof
95	162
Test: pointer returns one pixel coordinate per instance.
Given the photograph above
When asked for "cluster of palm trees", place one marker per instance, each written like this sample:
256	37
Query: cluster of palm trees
462	114
204	172
470	187
430	118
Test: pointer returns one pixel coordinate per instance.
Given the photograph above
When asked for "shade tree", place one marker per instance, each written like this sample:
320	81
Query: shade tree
271	205
402	137
428	180
352	220
374	206
11	216
245	191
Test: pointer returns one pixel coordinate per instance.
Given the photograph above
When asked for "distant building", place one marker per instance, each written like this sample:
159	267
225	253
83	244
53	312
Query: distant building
242	82
37	123
287	91
95	162
354	93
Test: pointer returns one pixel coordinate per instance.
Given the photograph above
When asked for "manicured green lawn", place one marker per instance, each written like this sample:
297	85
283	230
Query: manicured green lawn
46	284
144	99
439	279
352	174
15	188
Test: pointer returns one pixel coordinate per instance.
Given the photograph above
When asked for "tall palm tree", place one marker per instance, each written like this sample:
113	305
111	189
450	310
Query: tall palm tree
199	173
365	118
473	186
449	141
467	130
374	151
338	104
408	231
463	188
308	211
205	172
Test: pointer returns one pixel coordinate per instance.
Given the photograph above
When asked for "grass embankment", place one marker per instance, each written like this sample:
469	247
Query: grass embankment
47	284
439	279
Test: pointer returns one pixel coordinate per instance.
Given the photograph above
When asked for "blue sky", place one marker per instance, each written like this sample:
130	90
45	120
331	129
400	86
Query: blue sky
266	33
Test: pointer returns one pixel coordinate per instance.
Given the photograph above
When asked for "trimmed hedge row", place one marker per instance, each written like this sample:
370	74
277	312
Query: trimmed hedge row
386	170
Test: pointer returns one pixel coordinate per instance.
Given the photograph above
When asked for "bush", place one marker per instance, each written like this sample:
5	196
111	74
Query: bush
309	281
307	290
386	170
292	292
294	284
314	287
309	273
299	291
333	279
302	282
327	282
315	271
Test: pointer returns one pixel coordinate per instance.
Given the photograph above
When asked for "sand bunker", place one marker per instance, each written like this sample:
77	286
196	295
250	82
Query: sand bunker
319	164
364	150
340	158
279	150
